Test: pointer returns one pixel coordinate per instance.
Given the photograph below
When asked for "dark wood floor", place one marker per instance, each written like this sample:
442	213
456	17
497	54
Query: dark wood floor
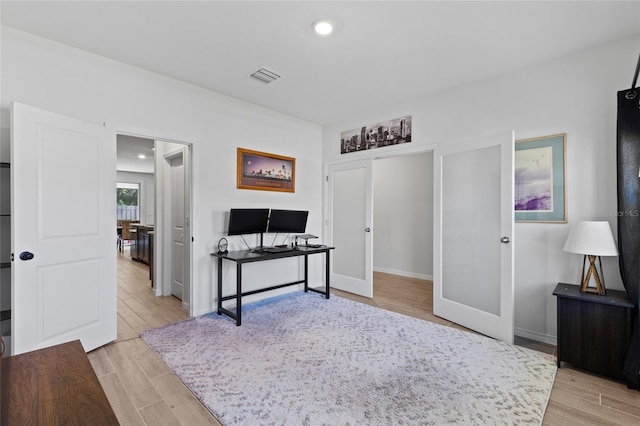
143	391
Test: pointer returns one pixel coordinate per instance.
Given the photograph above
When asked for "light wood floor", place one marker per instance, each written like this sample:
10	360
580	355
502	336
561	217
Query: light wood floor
143	391
140	387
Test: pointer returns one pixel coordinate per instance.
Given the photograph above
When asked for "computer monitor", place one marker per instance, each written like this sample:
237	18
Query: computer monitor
248	221
289	221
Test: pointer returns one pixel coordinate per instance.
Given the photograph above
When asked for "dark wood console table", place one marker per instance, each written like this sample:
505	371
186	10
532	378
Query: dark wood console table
594	331
248	256
53	386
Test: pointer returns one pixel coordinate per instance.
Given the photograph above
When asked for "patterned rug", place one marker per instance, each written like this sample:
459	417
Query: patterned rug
300	359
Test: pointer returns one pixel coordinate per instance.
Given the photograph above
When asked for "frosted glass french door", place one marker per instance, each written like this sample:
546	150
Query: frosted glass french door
350	226
473	233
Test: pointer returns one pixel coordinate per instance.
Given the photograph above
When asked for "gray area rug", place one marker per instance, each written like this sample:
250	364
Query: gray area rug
300	359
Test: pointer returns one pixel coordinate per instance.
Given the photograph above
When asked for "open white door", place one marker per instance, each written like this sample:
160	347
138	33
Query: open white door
473	235
351	218
178	221
63	216
173	240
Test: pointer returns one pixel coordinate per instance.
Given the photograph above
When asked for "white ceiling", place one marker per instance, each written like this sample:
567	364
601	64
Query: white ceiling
129	148
381	52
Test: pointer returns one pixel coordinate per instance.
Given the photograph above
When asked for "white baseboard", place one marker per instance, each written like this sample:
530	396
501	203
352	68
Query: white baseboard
403	273
534	335
205	311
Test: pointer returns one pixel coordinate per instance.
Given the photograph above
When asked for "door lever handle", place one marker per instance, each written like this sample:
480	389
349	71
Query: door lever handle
26	255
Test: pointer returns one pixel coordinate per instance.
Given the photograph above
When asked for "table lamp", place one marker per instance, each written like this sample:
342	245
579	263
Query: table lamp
591	239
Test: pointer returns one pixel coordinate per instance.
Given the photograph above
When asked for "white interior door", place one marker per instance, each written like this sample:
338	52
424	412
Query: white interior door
473	234
173	219
177	227
63	213
350	207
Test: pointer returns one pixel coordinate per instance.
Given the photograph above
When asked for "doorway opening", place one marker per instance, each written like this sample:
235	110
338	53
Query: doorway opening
403	230
392	235
463	173
142	162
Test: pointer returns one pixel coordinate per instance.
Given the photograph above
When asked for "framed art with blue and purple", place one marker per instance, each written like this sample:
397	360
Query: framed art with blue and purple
540	179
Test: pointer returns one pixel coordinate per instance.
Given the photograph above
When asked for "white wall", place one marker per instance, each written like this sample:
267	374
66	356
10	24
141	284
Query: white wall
146	182
69	81
574	94
403	215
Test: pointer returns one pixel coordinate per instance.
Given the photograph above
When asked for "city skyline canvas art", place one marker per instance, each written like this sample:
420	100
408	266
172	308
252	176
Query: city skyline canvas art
386	133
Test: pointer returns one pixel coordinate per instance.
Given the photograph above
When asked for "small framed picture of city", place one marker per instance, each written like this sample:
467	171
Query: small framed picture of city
386	133
265	172
540	179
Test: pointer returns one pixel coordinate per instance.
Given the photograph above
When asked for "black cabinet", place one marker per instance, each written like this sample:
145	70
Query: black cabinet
141	245
133	247
594	331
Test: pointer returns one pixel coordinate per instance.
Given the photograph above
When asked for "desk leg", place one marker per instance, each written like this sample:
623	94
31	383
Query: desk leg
306	273
239	293
219	286
326	275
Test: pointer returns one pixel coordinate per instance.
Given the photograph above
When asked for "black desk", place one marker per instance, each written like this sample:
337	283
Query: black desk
247	256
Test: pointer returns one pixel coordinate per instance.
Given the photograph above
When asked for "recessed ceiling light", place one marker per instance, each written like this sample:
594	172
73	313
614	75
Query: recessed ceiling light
142	156
322	27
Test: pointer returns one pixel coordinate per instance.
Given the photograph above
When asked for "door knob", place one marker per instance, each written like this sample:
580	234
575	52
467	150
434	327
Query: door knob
367	229
26	255
505	240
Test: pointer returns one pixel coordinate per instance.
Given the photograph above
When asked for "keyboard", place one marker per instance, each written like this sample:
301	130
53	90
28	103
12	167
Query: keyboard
277	249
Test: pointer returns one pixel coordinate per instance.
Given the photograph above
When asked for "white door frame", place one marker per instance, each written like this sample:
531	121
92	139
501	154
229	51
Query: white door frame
388	154
364	155
159	237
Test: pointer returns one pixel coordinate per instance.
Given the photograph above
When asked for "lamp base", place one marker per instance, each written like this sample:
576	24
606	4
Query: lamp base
592	272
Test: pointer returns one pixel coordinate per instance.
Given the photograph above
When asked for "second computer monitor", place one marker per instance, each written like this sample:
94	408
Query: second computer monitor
288	221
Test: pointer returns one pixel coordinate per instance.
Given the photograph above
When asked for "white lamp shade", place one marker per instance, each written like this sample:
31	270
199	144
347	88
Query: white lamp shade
591	237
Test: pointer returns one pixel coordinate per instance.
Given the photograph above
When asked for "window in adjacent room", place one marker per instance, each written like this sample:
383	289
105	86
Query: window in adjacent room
128	201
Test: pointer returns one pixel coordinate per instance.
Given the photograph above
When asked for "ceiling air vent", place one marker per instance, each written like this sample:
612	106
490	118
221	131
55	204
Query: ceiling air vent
266	75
